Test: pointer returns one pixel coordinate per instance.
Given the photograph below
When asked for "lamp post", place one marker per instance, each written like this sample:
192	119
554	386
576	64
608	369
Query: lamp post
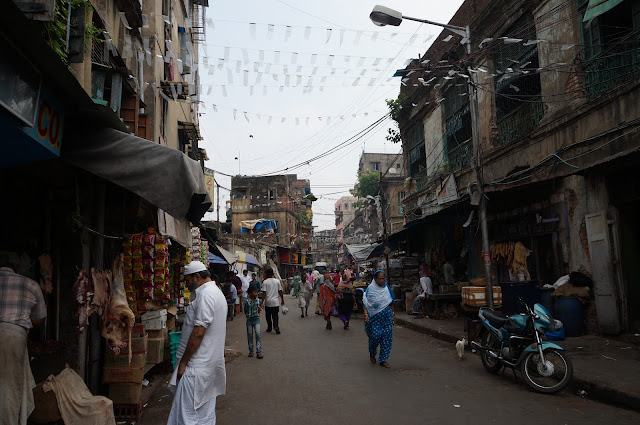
381	16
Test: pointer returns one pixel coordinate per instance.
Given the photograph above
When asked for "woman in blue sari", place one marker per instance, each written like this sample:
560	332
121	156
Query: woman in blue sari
379	317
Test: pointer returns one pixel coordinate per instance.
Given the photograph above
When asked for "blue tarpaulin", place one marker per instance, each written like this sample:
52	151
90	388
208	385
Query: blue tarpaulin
256	225
216	260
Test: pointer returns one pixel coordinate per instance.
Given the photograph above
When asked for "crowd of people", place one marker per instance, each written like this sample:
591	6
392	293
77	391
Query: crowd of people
213	298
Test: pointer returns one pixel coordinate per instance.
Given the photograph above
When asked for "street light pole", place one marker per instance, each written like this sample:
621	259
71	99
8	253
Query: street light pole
381	16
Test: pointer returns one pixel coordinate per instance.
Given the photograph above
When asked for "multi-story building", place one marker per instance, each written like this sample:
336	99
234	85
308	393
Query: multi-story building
82	85
324	247
283	199
345	210
392	175
557	92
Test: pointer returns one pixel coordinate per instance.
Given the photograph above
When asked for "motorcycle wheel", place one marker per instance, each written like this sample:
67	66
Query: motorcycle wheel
491	364
550	377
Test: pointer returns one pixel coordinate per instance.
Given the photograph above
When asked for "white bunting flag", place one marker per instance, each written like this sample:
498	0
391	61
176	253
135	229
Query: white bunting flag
329	32
245	116
508	40
256	66
374	36
361	61
286	80
285	69
307	32
220	63
265	90
209	92
298	80
226	53
245	79
299	69
267	69
275	77
252	30
215	108
294	58
287	33
314	58
224	91
258	78
261	56
347	59
389	61
333	71
448	38
315	70
245	56
297	122
269	120
281	89
276	56
270	31
413	39
373	80
210	23
234	114
356	40
330	60
306	121
376	62
238	66
229	76
356	81
364	71
341	36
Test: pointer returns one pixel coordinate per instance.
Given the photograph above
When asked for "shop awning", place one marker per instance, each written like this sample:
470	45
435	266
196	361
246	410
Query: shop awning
362	252
598	7
245	258
216	260
229	257
165	177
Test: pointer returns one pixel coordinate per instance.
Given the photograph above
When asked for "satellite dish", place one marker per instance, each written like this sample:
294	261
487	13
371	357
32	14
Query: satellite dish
392	170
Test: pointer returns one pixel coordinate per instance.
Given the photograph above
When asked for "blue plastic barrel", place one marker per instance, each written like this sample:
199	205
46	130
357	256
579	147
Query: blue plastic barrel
547	300
570	312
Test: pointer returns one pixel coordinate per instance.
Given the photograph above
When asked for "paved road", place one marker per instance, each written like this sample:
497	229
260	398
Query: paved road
314	376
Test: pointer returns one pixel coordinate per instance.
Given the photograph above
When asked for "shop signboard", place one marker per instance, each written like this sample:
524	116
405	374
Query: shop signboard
210	183
48	126
447	190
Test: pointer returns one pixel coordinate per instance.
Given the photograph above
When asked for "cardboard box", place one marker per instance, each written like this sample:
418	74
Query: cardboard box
138	345
137	361
125	393
138	330
160	333
476	295
122	375
155	320
155	354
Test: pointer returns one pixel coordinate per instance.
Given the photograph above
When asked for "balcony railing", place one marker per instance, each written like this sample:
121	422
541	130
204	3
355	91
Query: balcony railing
613	67
520	122
458	155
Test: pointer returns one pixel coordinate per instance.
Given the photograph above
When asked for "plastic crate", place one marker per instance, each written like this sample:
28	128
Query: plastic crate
128	411
174	337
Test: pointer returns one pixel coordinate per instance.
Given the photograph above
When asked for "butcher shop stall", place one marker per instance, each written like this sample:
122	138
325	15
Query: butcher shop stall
106	234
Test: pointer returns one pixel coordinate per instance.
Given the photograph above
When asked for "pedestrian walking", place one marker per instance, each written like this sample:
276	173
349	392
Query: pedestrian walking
252	308
271	291
379	317
297	280
255	282
246	281
237	282
316	287
231	294
346	302
200	376
304	298
22	308
327	301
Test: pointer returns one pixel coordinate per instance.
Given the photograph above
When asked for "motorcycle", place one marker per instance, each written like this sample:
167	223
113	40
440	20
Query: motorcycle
516	341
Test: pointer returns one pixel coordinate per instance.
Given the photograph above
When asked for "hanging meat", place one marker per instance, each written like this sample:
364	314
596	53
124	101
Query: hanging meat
46	273
101	290
519	264
83	293
118	319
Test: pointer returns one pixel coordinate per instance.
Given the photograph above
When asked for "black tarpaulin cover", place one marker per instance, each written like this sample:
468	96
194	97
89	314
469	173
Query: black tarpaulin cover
165	177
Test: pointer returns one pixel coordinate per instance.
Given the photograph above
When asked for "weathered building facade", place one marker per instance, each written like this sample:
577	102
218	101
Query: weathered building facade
557	94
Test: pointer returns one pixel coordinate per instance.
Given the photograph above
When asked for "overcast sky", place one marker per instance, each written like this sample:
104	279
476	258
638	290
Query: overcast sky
309	114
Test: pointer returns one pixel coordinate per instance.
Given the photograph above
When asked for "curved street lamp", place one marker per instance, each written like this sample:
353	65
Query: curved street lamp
381	16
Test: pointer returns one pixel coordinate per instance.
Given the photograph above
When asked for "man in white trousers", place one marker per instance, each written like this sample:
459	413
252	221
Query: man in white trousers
200	374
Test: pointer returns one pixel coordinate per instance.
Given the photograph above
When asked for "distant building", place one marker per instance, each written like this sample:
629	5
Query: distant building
280	198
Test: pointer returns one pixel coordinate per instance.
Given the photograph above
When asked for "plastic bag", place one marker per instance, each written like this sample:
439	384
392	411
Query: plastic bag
285	310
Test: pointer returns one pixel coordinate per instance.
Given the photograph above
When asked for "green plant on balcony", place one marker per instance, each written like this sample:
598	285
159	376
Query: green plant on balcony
55	33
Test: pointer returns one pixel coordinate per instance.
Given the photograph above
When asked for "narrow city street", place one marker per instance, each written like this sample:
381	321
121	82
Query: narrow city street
310	375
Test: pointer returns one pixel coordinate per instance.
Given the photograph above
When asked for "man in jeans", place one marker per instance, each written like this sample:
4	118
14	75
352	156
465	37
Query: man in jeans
271	291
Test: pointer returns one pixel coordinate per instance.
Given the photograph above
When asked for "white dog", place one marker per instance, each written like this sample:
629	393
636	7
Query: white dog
460	347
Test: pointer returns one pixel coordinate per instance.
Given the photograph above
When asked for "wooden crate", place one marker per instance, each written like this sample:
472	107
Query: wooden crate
476	295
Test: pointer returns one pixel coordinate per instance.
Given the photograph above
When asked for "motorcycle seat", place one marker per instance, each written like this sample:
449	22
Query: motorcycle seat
497	320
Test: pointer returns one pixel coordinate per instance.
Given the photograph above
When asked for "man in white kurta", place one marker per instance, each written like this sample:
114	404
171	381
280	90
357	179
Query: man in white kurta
200	374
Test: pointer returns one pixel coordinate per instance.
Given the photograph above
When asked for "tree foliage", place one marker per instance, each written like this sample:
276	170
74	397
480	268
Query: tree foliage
367	184
395	108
